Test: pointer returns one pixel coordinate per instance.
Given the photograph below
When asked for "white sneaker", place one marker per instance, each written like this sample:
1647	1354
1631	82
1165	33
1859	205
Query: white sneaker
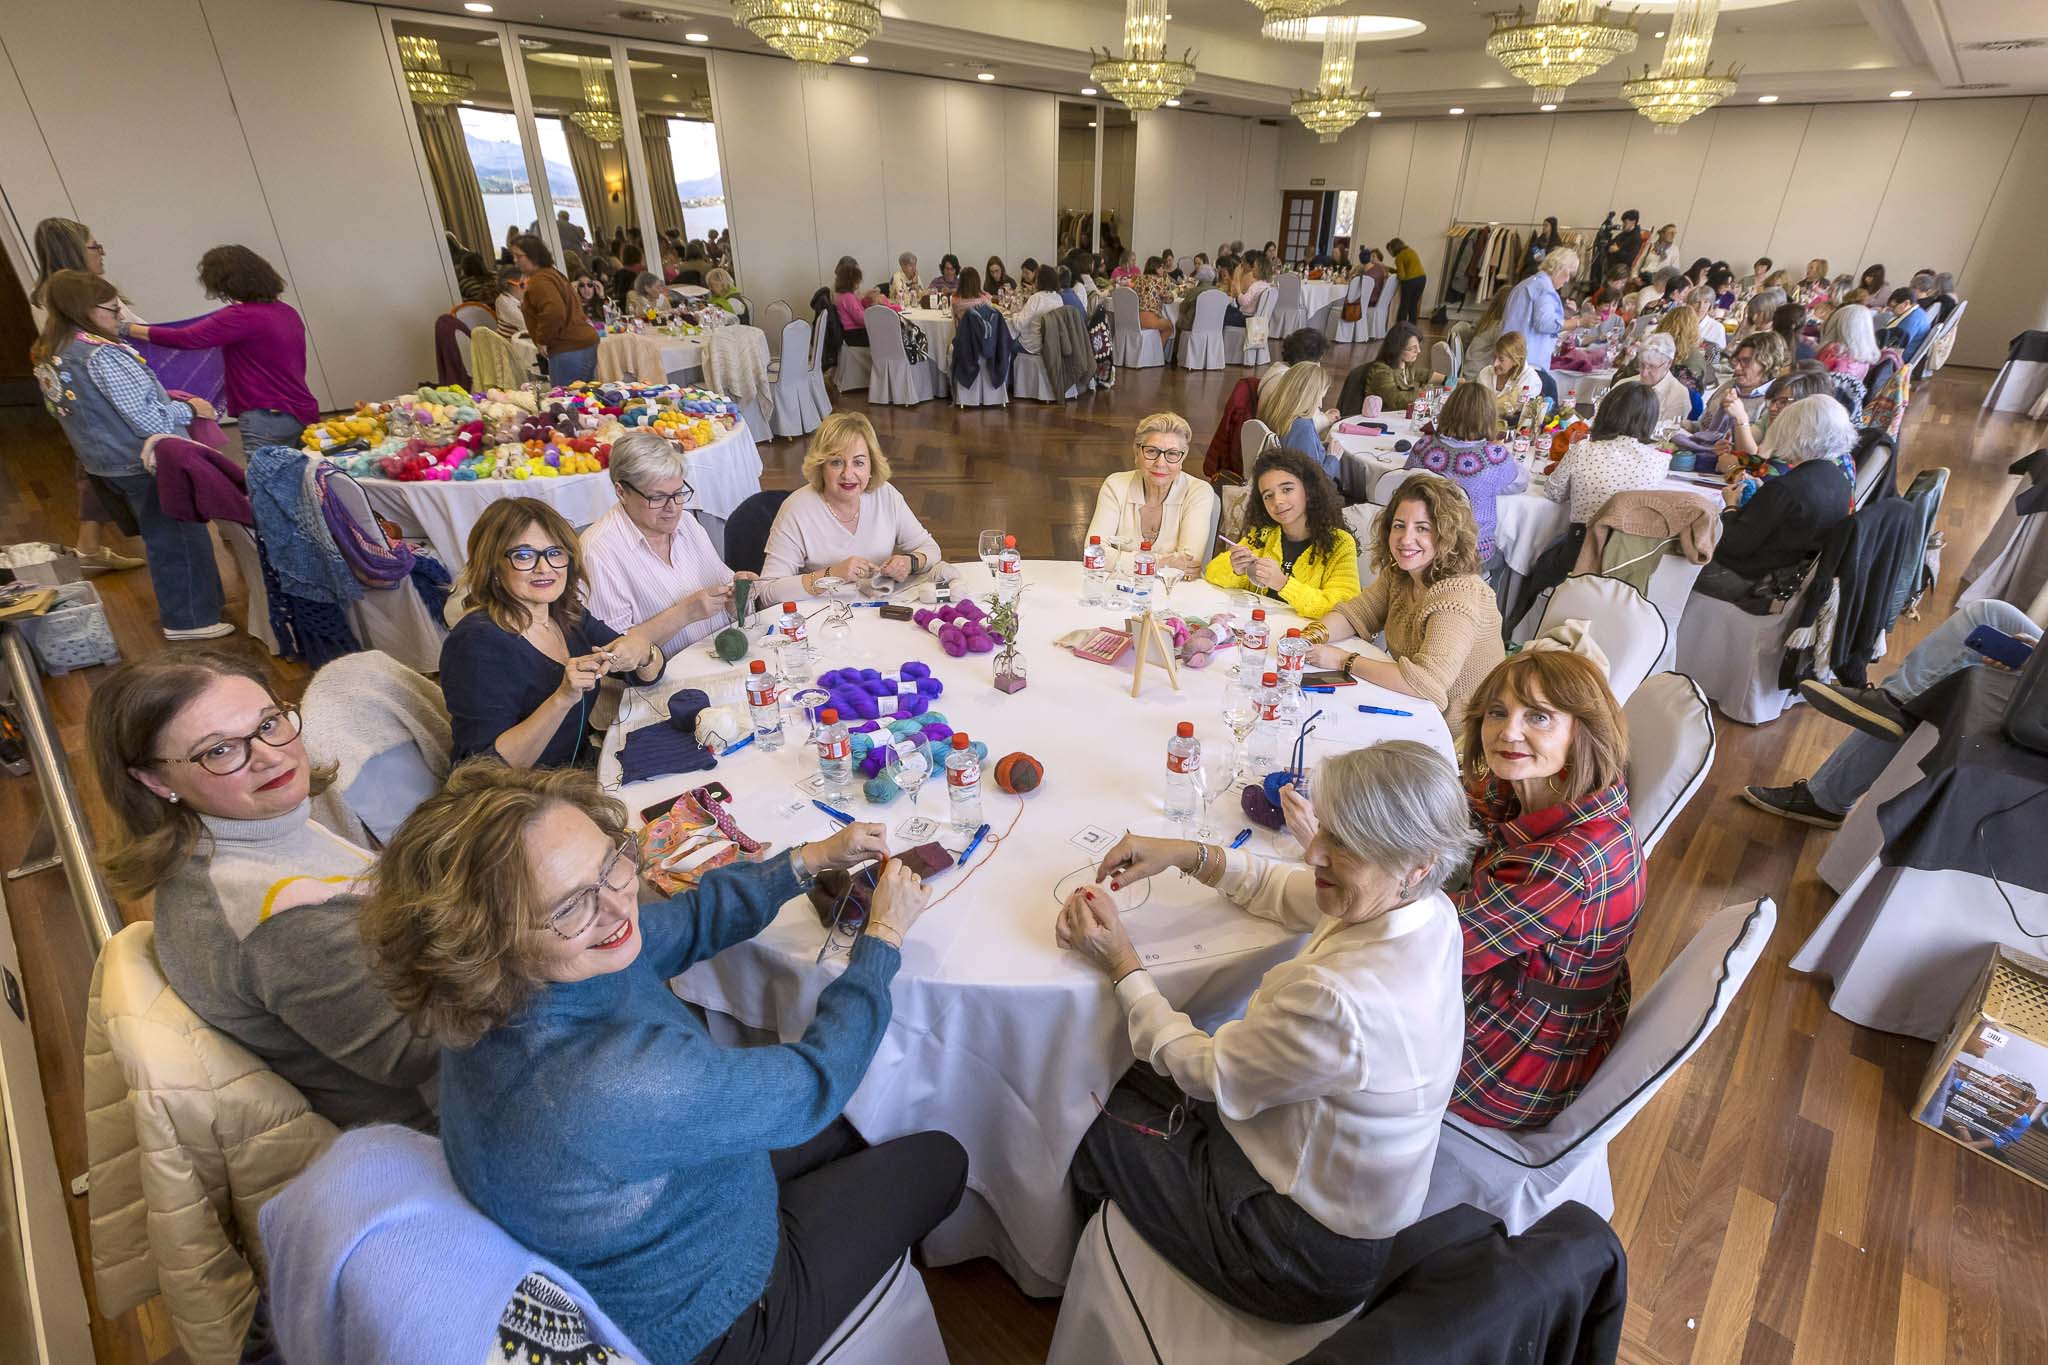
212	632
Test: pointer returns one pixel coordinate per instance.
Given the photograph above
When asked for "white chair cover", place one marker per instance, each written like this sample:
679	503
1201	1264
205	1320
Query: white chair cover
476	315
856	364
1252	439
776	316
801	400
893	1325
385	729
1389	483
241	543
466	348
1671	584
895	380
1138	347
1943	342
394	619
1290	312
1201	348
1628	629
1344	332
1126	1305
982	393
1518	1176
1670	749
1235	352
1735	656
1028	379
1381	315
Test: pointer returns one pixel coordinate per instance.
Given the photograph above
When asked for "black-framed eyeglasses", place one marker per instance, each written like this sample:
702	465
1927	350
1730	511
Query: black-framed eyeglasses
223	757
1166	453
661	502
620	874
524	557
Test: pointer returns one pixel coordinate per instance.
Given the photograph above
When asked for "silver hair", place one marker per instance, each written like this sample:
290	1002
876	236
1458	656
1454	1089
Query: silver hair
1854	327
1397	806
1662	344
1561	264
1816	428
645	458
1923	283
907	258
1944	283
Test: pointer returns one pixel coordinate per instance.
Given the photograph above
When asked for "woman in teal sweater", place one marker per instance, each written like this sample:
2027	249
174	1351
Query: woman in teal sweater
709	1198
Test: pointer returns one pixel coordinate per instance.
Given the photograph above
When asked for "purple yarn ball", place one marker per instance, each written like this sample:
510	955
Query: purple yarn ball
916	670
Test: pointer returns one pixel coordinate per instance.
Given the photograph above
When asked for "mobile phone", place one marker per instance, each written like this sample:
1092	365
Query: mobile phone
1328	677
657	810
1997	646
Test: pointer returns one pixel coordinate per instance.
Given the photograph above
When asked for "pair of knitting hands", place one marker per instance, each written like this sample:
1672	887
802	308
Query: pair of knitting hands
900	895
1090	924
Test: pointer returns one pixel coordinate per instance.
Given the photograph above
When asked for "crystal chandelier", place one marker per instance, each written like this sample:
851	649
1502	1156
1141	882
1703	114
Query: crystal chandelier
427	77
597	117
813	33
1290	9
1333	105
1144	77
1682	85
1566	41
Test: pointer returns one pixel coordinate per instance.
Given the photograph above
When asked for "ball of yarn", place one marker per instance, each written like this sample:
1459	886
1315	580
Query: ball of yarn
730	644
1259	810
881	789
1019	773
953	641
859	746
979	750
914	669
829	681
934	718
937	730
868	675
970	610
977	641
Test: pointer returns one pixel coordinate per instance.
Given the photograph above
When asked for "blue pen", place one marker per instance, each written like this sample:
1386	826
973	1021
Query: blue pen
737	745
1319	689
841	816
1382	710
972	844
1242	835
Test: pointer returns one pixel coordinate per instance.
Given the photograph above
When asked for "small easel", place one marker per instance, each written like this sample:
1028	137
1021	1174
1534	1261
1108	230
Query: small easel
1149	635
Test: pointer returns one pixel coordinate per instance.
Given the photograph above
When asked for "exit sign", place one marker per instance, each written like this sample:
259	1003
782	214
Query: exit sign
1316	183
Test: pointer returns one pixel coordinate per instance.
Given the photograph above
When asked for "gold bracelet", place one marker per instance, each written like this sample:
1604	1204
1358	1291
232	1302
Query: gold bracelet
887	934
1316	633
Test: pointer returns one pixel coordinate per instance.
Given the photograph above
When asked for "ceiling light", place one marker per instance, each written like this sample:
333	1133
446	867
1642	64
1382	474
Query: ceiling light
428	78
1372	113
1144	77
858	59
1091	123
696	37
1457	110
1549	108
984	75
1089	90
1683	85
1900	94
476	7
812	33
1173	104
1658	34
1766	99
1564	42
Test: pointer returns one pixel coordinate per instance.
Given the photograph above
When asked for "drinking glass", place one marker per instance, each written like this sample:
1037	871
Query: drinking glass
1240	713
1203	829
837	629
909	771
991	550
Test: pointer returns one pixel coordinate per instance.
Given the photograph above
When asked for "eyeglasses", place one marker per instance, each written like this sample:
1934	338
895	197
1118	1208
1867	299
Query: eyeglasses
524	557
620	874
1165	453
661	502
227	756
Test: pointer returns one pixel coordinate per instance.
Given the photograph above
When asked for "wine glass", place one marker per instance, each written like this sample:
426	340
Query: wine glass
1206	791
1240	713
837	628
909	769
990	548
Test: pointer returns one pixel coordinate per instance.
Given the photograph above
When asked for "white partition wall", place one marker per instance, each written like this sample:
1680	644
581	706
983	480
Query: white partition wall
1205	179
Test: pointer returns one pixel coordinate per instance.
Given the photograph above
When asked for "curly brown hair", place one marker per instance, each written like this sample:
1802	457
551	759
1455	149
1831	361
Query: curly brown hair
239	275
1325	504
452	907
1450	514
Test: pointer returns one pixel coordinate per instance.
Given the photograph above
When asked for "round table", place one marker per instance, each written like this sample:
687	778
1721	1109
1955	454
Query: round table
938	326
1317	295
649	357
722	475
999	1037
1575	387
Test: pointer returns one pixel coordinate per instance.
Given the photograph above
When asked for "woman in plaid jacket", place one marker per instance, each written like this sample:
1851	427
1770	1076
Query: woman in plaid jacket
1555	889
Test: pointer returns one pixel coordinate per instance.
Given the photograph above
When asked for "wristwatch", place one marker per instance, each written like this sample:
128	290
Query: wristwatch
1350	659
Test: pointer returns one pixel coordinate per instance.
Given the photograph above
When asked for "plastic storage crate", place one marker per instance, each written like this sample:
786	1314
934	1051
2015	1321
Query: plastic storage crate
73	633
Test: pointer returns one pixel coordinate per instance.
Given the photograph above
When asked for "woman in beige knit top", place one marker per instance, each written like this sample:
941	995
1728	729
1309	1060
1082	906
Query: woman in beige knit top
1442	626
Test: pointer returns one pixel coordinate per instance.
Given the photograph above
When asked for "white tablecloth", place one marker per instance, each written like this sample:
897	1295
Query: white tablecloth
723	474
1574	387
1316	295
998	1037
937	326
682	359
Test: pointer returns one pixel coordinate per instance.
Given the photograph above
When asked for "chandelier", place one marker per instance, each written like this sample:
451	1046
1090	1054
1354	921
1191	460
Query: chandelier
427	77
1290	9
1682	85
1565	41
597	117
812	33
1333	106
1144	77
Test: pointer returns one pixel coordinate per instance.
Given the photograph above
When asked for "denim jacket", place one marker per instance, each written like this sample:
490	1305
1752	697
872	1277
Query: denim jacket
108	403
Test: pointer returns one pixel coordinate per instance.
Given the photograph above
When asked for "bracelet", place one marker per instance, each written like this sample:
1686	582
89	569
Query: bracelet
804	876
1201	861
1349	659
887	933
1316	633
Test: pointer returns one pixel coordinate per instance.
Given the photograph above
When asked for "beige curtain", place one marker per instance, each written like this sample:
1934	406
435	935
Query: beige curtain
668	209
455	187
587	159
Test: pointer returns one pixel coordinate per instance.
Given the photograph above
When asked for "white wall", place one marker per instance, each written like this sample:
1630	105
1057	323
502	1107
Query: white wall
873	163
215	140
1204	179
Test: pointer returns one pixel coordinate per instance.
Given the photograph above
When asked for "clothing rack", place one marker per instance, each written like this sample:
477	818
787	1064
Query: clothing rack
1495	273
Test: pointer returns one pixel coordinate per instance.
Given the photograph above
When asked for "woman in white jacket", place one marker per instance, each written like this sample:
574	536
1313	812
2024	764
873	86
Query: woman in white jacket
1156	500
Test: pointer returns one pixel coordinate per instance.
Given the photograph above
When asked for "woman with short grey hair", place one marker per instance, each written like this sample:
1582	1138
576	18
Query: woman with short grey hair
904	285
1787	518
649	563
1273	1161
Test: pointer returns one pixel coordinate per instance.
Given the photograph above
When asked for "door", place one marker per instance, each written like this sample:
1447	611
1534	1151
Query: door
1301	215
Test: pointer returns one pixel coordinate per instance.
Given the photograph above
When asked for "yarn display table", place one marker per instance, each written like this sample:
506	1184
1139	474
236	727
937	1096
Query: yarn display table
998	1037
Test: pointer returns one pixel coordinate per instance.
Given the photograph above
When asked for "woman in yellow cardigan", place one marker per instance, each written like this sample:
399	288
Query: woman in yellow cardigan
1295	548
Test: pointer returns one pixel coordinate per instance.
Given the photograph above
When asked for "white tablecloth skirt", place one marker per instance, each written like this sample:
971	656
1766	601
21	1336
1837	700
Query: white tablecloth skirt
1319	295
1574	387
998	1036
723	474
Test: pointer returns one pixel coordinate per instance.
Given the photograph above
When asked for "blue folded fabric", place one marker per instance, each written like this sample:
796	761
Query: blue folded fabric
661	751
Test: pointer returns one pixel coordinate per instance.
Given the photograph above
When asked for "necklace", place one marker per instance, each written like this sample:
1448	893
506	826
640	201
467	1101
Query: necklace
850	523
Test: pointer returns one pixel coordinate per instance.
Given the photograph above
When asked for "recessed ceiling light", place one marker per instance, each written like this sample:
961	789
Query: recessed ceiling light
696	37
1766	99
984	75
1372	113
1088	90
858	60
1091	123
1900	94
1169	18
1173	104
1549	108
1457	110
477	7
1658	34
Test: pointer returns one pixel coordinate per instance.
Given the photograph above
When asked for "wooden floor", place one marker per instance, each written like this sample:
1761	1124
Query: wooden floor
1776	1201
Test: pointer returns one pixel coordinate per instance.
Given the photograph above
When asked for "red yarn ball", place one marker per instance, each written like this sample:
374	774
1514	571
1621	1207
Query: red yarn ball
1018	773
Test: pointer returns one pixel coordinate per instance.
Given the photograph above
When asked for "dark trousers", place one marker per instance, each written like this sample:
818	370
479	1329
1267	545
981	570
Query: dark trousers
1202	1205
1409	309
180	555
849	1212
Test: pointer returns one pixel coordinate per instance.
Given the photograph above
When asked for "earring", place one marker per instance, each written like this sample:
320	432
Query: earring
172	798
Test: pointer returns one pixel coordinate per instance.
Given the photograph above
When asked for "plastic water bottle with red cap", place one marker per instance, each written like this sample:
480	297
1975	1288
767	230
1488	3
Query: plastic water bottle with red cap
1268	731
1094	573
1144	576
1292	660
1183	774
764	705
1252	640
963	784
1009	571
835	753
795	636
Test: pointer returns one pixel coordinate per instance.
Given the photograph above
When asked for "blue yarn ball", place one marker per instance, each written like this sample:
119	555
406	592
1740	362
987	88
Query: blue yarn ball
881	789
915	669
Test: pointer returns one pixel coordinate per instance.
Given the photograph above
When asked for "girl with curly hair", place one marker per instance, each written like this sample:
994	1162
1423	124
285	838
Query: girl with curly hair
1295	546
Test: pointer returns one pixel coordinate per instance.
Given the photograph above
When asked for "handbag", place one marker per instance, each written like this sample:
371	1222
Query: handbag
1255	331
1353	311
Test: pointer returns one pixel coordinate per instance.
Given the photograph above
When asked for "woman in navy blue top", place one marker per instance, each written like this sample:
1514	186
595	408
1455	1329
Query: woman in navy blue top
519	672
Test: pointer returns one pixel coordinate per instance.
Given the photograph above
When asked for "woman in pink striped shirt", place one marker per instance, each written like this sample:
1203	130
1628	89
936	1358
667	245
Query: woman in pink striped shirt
650	564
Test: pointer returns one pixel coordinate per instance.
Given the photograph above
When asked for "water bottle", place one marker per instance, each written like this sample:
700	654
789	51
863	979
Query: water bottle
1267	730
1183	766
763	705
835	753
796	644
1144	573
1252	641
963	784
1293	659
1009	571
1094	573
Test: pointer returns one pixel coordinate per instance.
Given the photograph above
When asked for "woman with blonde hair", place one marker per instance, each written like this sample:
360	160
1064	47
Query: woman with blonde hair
1157	501
1442	625
1536	305
847	521
1510	379
1293	407
1479	345
709	1198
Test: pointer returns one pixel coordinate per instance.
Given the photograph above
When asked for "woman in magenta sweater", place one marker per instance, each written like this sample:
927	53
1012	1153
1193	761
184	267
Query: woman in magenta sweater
262	342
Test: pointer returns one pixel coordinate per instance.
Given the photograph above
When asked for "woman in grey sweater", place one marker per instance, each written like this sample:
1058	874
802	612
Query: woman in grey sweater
255	902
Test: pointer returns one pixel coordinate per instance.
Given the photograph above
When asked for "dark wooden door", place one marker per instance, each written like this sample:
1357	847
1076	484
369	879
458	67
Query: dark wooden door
1301	219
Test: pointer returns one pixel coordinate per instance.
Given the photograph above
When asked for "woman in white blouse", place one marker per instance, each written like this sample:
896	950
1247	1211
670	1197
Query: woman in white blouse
1616	457
847	522
1157	500
1510	378
1273	1161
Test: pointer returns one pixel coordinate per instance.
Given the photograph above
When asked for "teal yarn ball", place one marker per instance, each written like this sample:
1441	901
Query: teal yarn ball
881	789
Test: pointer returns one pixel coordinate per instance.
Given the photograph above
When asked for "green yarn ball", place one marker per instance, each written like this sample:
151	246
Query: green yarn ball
731	644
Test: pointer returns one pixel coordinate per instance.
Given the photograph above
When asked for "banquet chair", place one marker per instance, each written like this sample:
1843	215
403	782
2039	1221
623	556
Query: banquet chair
241	543
746	530
856	366
1138	347
393	619
474	315
1235	351
801	400
1201	348
1342	332
1519	1175
1942	342
894	380
1253	439
1381	314
1735	656
2011	563
1291	311
1670	749
1624	623
777	316
1125	1304
1384	487
385	729
1442	360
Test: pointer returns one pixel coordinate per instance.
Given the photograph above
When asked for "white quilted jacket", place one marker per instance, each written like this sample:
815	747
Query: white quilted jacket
188	1134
